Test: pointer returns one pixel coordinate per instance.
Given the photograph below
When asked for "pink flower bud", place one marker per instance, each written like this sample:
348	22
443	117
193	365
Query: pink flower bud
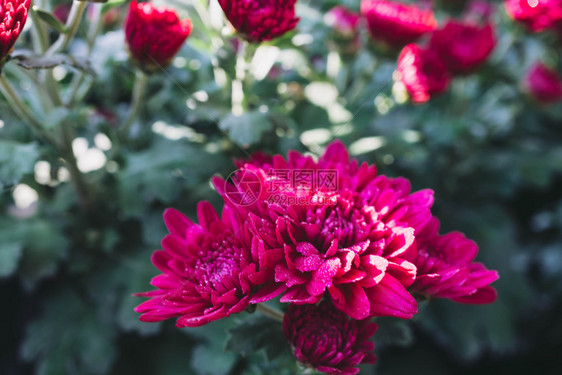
544	84
327	340
343	21
463	46
260	20
423	72
13	14
395	23
154	35
536	15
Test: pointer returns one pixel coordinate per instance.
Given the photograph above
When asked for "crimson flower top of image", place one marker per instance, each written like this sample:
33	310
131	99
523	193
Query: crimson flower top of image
396	23
543	83
327	340
463	46
154	35
352	235
446	268
13	14
536	15
423	72
260	20
344	21
204	267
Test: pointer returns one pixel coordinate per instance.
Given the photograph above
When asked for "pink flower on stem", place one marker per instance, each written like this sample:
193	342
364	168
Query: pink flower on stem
396	23
344	21
260	20
543	83
356	241
446	268
205	269
13	14
154	35
463	46
536	15
327	340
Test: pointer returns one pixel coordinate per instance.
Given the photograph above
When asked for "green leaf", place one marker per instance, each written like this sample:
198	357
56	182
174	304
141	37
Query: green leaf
50	20
393	331
10	254
29	60
68	337
210	357
257	333
16	160
247	129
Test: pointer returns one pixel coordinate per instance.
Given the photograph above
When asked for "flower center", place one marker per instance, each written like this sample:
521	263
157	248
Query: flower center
220	265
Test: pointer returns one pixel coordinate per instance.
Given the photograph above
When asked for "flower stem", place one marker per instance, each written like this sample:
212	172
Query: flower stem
238	99
26	115
72	23
270	312
139	89
41	38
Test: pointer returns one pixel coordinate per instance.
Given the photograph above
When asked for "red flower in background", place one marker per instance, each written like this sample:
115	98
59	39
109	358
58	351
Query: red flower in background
154	35
536	15
395	23
343	21
463	46
204	268
260	20
446	268
423	72
544	84
327	340
13	14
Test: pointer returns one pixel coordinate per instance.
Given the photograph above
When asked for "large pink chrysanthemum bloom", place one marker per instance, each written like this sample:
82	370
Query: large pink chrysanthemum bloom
396	23
13	14
154	35
536	15
446	268
205	269
423	72
260	20
463	46
544	84
356	241
327	340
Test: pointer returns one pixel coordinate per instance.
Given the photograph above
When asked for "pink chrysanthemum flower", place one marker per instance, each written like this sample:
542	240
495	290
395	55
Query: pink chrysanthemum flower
13	14
463	46
446	268
423	72
396	23
154	35
327	340
355	241
536	15
260	20
543	83
205	269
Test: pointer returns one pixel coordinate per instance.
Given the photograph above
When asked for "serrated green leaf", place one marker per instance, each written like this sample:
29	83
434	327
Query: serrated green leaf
16	160
50	20
246	129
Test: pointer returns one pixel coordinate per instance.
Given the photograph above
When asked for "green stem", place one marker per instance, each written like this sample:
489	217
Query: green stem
26	115
72	23
41	37
139	89
270	312
238	99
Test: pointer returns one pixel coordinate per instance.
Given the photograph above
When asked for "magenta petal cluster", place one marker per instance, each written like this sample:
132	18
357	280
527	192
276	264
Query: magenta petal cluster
13	14
543	83
463	46
327	340
205	269
396	23
154	35
260	20
446	268
536	15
